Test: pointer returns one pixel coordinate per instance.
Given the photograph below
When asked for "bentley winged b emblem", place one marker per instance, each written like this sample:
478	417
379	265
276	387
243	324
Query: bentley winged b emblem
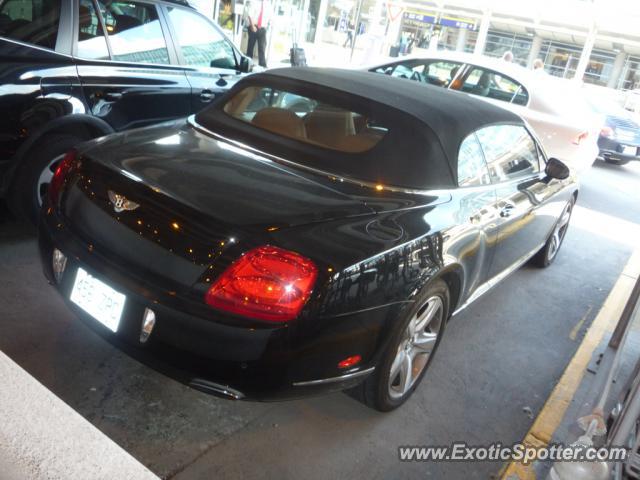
120	202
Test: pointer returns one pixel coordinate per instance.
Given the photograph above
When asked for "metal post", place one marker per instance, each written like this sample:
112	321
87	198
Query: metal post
482	33
322	13
461	42
627	315
536	44
616	71
628	419
355	33
585	56
275	7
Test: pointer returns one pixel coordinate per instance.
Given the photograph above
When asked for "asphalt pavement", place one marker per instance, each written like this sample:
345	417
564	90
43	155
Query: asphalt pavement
498	362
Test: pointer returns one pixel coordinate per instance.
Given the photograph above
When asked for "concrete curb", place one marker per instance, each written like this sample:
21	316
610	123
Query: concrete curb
41	437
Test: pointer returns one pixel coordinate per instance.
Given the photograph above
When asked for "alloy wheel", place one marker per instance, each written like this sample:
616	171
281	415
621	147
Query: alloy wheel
45	178
416	345
559	231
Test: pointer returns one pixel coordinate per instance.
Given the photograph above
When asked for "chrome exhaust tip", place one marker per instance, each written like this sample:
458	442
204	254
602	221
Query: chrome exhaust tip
212	388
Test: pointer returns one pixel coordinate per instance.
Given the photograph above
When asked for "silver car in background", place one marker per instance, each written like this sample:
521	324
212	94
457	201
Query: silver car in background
555	108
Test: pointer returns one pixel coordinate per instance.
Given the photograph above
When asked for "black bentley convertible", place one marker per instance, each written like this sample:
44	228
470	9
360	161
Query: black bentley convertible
312	230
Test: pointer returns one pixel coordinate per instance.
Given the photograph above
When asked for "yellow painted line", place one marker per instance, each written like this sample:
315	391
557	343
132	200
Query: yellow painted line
574	332
547	421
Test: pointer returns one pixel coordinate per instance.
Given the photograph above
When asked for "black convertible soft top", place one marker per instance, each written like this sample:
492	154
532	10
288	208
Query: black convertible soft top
427	124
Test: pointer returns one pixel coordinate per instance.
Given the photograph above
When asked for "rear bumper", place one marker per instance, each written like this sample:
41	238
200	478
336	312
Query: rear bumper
223	358
611	149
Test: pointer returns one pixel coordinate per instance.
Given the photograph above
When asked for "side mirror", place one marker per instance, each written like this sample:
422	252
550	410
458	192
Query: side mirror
223	62
246	64
557	169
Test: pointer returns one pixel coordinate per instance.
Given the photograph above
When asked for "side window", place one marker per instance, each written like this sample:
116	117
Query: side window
441	72
510	151
31	21
411	70
134	32
490	84
91	41
386	69
472	168
200	43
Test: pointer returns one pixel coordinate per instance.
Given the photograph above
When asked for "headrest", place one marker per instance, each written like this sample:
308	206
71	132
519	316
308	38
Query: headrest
280	120
328	127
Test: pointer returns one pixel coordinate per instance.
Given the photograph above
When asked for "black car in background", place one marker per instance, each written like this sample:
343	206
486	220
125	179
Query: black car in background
619	140
73	70
311	230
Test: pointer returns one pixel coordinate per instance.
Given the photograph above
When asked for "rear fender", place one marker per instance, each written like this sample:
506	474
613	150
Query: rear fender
84	126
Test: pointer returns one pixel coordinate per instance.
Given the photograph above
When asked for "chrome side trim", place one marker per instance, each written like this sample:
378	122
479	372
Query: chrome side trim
322	381
215	388
354	312
489	284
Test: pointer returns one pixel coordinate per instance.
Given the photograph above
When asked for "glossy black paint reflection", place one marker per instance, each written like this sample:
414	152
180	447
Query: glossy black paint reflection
204	202
45	92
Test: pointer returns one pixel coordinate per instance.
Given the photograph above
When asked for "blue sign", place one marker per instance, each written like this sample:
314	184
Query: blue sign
419	17
416	18
457	23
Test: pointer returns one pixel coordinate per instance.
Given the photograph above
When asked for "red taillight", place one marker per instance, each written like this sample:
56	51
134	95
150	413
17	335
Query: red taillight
607	132
65	167
580	138
267	283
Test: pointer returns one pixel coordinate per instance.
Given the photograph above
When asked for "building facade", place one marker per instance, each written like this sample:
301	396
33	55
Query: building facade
594	40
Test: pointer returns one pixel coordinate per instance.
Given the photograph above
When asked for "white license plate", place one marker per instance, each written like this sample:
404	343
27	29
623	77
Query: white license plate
98	299
630	150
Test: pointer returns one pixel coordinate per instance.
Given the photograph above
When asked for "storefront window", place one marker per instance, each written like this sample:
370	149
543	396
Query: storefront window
420	27
417	30
599	68
470	42
560	59
630	78
312	20
500	42
449	38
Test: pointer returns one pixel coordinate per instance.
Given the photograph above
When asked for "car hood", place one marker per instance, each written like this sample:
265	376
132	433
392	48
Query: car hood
219	180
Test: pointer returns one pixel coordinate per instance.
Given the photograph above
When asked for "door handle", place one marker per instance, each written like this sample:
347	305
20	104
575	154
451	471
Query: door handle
207	95
507	210
113	96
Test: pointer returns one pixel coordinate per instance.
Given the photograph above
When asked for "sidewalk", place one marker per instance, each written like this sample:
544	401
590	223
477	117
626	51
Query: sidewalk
41	437
324	54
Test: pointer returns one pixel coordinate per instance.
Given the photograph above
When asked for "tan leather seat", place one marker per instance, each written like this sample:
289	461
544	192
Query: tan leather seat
360	142
281	121
328	128
237	105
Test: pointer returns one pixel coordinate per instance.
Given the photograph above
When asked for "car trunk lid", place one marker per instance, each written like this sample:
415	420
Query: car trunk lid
191	200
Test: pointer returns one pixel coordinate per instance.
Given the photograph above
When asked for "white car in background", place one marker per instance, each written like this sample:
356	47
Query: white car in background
555	108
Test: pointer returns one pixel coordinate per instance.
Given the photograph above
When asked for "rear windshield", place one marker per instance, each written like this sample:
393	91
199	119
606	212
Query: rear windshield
305	119
30	21
329	130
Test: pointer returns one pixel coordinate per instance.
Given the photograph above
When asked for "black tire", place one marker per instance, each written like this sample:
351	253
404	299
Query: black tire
548	253
26	192
375	390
